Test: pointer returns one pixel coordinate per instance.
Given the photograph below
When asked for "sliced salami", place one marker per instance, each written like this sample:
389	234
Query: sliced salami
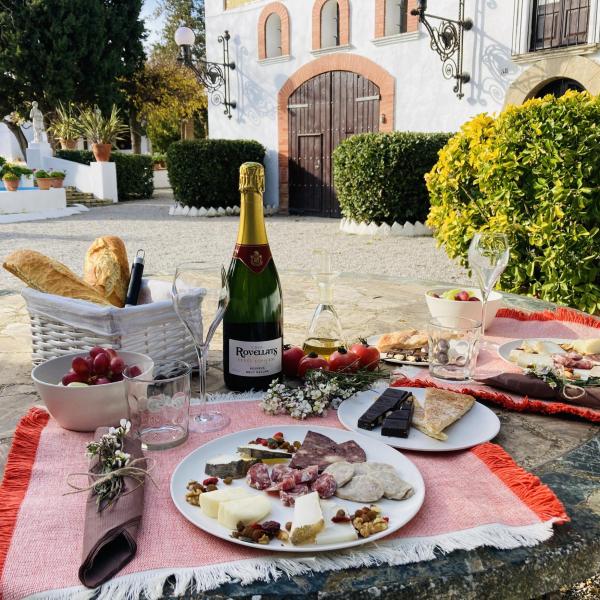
258	477
278	472
289	498
324	485
307	475
287	483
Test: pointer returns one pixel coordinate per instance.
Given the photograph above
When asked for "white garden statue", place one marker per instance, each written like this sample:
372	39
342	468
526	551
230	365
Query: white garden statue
37	120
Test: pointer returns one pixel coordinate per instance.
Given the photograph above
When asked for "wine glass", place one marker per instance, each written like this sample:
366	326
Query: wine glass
488	257
196	301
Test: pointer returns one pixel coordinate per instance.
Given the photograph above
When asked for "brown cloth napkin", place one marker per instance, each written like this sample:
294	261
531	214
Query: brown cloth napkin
109	536
533	387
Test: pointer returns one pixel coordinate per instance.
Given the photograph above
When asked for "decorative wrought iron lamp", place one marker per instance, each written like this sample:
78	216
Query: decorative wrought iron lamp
213	76
447	41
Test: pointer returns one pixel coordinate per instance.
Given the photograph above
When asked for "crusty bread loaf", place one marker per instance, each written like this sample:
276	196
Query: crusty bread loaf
106	268
50	276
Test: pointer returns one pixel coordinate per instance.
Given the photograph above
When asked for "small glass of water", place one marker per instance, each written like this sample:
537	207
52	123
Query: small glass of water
159	404
453	347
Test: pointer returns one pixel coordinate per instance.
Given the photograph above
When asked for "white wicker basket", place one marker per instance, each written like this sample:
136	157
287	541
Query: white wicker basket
63	325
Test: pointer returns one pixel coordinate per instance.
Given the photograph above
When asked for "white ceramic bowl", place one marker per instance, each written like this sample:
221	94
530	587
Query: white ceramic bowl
84	408
440	307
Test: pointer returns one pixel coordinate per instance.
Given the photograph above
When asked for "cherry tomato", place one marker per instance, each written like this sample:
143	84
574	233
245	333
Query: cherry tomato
292	355
367	355
342	360
310	362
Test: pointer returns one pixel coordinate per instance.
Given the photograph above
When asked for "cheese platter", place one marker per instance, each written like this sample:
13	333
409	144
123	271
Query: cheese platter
338	490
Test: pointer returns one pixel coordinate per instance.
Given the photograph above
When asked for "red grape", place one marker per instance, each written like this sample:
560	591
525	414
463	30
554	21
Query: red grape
101	363
96	350
80	365
90	363
117	377
102	380
111	352
71	376
117	365
134	371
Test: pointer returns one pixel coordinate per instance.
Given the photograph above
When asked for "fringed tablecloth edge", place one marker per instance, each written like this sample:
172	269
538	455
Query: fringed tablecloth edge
17	475
567	315
394	552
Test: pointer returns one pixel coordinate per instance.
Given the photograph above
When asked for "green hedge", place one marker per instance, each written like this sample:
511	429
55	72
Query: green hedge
381	176
135	173
206	172
533	173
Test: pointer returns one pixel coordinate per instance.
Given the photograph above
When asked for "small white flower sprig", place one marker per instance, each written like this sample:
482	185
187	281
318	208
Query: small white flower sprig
113	465
321	390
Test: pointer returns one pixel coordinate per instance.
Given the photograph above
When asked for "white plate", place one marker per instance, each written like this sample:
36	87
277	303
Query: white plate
479	425
192	467
504	350
374	339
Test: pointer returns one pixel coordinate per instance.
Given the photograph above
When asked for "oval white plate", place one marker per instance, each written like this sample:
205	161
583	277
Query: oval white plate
372	341
504	350
479	425
192	467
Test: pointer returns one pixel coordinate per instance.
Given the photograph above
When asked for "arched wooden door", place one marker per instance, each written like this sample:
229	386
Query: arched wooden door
322	112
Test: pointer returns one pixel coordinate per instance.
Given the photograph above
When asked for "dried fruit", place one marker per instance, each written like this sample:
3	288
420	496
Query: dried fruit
288	525
228	480
211	487
210	481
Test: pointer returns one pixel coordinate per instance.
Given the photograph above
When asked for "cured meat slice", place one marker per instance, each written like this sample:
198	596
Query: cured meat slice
324	485
278	472
352	452
342	472
289	498
362	488
258	476
288	482
307	475
318	449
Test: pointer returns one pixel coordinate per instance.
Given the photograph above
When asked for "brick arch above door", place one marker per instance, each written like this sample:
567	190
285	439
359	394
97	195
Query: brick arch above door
334	62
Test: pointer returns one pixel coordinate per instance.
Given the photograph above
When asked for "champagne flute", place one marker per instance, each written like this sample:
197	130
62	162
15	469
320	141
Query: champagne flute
196	301
488	257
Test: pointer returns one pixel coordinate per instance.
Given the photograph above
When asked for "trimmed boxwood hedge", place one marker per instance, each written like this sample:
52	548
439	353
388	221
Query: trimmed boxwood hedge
135	172
206	172
380	177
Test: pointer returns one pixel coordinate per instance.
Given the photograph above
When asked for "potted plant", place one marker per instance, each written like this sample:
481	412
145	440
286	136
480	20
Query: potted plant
58	178
43	179
26	175
65	126
102	131
11	181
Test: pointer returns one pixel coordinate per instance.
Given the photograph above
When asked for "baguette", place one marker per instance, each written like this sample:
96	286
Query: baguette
106	269
47	275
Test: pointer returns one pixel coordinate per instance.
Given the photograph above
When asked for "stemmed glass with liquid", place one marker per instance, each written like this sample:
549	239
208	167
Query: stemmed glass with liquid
199	299
488	257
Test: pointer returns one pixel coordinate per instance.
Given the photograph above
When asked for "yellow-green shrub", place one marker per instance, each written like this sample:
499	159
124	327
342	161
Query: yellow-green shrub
532	173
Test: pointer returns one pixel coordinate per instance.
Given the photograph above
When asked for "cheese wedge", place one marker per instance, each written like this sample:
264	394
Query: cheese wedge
210	501
591	346
334	533
308	520
547	347
250	509
527	360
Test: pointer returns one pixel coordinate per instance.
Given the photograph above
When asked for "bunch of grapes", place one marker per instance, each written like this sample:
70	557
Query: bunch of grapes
100	366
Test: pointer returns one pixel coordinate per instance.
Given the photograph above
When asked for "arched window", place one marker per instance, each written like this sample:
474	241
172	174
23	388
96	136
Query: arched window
273	31
330	24
395	17
558	87
273	36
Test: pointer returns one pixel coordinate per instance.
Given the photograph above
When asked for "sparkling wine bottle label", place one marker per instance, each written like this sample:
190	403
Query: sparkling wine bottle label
256	257
255	359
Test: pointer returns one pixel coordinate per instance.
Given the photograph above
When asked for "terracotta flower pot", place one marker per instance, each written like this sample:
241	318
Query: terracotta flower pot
11	185
44	183
101	152
57	182
68	144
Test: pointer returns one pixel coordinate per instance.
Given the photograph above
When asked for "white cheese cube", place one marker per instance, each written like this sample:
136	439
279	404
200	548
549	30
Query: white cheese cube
210	501
307	520
251	509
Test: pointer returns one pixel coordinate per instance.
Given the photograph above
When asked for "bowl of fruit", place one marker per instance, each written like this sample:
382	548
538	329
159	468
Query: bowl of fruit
462	302
84	391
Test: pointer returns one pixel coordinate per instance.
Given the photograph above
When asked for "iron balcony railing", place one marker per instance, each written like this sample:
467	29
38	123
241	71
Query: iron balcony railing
553	24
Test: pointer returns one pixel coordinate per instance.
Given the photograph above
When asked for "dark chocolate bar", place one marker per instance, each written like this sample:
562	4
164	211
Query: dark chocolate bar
397	424
388	402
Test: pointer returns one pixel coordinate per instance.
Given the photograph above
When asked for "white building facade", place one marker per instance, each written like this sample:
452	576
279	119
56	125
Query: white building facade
310	73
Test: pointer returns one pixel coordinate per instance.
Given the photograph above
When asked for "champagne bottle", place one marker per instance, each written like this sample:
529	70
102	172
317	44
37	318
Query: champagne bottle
253	321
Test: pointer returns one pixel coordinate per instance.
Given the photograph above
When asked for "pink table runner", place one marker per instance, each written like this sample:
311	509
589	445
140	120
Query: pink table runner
513	324
41	529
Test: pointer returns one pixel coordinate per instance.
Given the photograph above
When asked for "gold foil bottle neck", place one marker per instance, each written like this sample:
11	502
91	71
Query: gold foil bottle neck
252	177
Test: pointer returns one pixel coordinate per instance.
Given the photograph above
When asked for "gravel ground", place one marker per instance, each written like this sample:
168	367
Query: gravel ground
170	240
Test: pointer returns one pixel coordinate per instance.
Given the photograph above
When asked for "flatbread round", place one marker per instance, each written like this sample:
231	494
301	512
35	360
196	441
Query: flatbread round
394	487
362	488
342	472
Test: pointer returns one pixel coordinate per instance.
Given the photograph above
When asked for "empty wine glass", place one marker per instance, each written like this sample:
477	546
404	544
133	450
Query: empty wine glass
488	257
198	299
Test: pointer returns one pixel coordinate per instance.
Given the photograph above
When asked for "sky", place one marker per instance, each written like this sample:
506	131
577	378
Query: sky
153	25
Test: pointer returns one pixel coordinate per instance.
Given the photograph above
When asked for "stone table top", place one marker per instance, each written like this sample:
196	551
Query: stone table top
564	453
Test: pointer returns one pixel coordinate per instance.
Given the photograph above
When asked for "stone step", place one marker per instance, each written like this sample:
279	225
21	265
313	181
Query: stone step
74	196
